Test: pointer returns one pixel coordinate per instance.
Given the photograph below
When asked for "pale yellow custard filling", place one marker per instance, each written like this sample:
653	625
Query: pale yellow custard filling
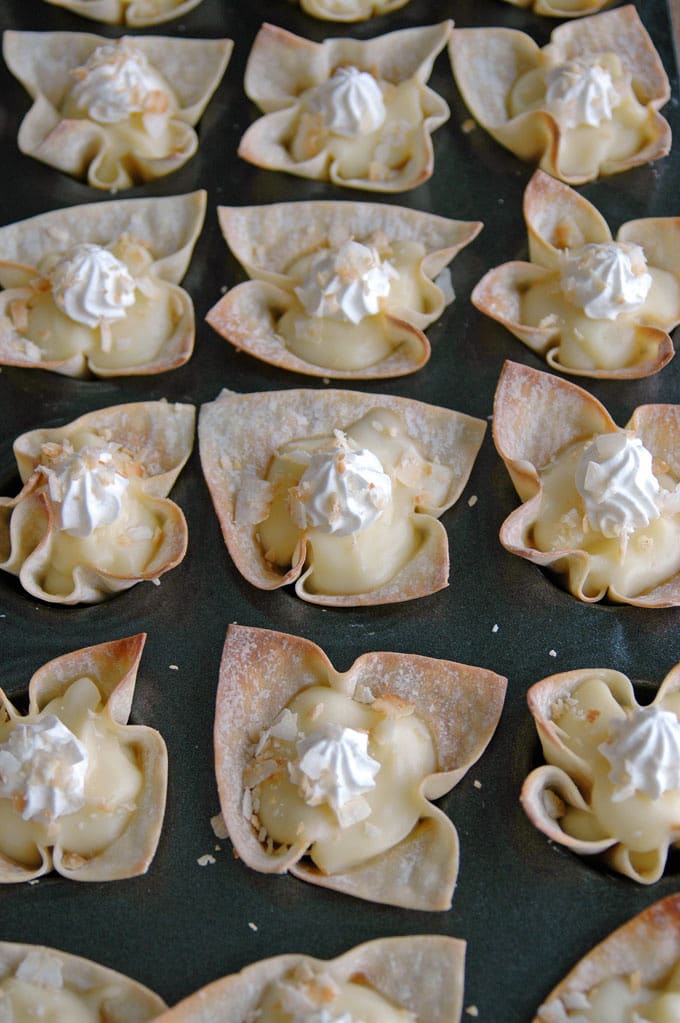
378	155
368	559
30	318
586	343
398	741
650	555
626	999
641	823
338	344
113	782
303	995
584	147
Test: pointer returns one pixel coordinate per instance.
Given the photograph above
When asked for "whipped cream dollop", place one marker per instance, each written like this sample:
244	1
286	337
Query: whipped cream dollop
334	767
92	286
86	489
644	753
346	284
620	492
117	81
351	102
581	92
341	491
43	767
606	279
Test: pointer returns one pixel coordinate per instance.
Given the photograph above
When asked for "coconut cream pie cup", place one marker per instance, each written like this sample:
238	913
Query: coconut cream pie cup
601	504
395	980
115	113
611	782
562	8
337	492
633	973
350	10
95	289
81	791
45	983
93	518
313	772
135	13
585	105
339	289
590	305
346	110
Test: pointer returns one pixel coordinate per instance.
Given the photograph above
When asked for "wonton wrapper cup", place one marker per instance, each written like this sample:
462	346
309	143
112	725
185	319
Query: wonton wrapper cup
487	62
560	219
281	65
134	13
43	62
647	946
267	239
123	1000
537	415
168	227
159	436
262	670
570	776
113	669
422	973
240	433
557	9
350	10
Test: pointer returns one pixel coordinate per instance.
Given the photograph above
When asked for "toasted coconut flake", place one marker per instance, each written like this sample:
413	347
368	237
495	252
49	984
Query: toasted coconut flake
530	301
153	440
262	671
105	673
501	74
395	157
643	954
541	426
74	142
265	317
252	428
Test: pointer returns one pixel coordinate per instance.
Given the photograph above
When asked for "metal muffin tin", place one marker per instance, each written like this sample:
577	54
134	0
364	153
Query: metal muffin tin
527	909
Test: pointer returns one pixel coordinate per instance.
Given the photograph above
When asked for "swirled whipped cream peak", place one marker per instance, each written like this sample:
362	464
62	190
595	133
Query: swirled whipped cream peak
334	767
615	478
85	487
581	92
346	283
42	769
351	102
643	750
606	279
117	81
342	491
92	286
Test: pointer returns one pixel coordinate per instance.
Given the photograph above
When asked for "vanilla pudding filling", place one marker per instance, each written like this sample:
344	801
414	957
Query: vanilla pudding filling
351	498
101	516
368	127
66	779
338	317
37	990
305	995
626	999
605	497
594	105
340	777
